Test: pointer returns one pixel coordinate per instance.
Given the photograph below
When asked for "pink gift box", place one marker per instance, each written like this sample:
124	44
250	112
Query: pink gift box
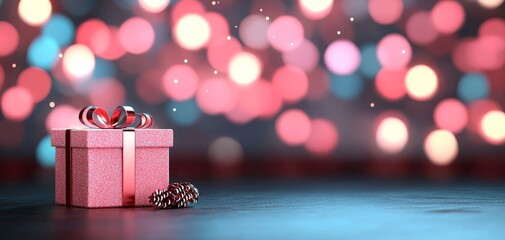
110	167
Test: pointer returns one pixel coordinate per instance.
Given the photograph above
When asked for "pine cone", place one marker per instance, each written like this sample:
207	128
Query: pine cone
176	195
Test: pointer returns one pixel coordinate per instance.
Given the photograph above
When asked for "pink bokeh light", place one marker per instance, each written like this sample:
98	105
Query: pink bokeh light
342	57
253	31
95	34
9	40
107	93
323	138
58	117
385	11
186	7
285	33
220	53
477	110
450	114
2	76
420	29
216	96
17	103
114	49
306	56
136	35
391	84
180	82
290	83
394	51
36	81
447	16
293	127
218	27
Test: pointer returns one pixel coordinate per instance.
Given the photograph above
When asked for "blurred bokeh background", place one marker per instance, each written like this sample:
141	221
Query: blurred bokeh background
265	88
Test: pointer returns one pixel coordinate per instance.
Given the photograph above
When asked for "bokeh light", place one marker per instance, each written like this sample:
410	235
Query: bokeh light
36	81
490	4
95	34
253	31
391	84
9	40
290	83
385	11
447	16
192	32
183	8
218	27
45	153
60	28
153	6
391	135
136	35
107	93
342	57
477	109
34	12
346	87
370	65
215	96
219	54
421	82
43	52
17	104
225	150
78	62
315	10
394	51
323	138
258	99
306	56
420	28
441	147
180	82
450	114
59	117
244	68
472	87
493	127
285	33
293	127
319	84
2	76
187	112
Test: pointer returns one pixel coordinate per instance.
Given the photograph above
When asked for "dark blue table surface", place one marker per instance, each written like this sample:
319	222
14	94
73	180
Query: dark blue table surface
331	209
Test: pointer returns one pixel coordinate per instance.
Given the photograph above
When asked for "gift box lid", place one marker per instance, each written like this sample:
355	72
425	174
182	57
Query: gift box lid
111	138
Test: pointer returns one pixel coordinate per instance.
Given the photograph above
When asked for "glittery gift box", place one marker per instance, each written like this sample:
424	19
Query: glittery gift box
95	176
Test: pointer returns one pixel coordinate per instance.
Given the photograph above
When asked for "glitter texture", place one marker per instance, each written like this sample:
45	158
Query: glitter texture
97	165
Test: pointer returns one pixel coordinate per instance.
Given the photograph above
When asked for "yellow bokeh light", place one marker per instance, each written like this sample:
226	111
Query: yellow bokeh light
192	32
441	147
244	68
316	6
34	12
493	127
392	135
78	62
153	6
490	4
421	82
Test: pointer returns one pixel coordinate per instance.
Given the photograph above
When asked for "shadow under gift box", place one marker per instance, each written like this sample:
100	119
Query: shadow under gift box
96	157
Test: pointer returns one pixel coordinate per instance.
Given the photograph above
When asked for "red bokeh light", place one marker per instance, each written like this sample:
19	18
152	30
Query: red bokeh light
9	40
290	83
447	16
220	53
217	95
95	34
391	84
385	11
36	81
451	114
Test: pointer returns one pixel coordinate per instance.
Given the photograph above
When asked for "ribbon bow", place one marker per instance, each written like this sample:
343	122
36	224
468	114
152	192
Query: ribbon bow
122	117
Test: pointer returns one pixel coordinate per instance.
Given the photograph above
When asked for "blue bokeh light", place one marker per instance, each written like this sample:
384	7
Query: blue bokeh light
45	153
473	86
346	87
370	65
78	7
104	68
43	52
186	114
60	28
